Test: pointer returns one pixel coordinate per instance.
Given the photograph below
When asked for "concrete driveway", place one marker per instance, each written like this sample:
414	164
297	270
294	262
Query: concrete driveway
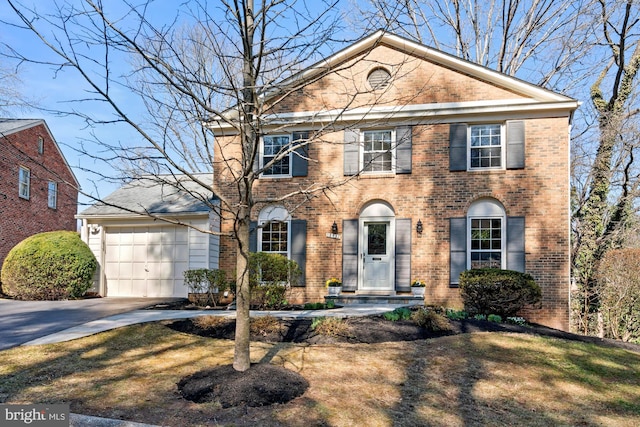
23	321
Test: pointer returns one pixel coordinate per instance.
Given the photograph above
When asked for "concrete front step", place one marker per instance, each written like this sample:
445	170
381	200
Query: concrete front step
352	299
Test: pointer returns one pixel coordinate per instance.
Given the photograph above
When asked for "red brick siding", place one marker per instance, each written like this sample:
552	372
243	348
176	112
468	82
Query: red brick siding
431	193
20	218
414	81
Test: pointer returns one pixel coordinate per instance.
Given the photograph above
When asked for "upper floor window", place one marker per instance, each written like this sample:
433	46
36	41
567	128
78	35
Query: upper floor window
274	148
40	145
52	200
24	182
378	152
485	146
383	151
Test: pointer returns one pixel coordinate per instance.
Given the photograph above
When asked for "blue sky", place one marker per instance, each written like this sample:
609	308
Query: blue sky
53	90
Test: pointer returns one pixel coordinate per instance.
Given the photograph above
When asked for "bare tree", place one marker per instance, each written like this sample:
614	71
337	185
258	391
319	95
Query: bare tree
606	203
586	49
216	65
541	41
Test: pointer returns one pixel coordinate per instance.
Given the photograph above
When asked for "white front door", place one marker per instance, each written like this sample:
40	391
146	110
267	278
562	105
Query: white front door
377	256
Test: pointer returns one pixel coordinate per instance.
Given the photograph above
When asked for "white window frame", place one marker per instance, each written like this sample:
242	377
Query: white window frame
52	197
488	209
502	147
288	156
24	182
392	152
274	214
40	145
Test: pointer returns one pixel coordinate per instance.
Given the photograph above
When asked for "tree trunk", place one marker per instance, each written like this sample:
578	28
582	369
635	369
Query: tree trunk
241	355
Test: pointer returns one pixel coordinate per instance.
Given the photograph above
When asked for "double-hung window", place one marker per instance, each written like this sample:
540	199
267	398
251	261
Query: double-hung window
52	199
378	154
24	182
486	243
485	146
273	149
274	230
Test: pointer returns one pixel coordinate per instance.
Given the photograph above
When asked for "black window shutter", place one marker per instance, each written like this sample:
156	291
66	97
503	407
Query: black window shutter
299	246
403	149
457	249
515	243
300	163
458	147
350	254
515	145
351	152
403	254
253	236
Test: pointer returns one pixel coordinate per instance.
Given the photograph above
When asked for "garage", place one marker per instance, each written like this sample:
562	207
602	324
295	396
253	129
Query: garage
146	261
145	254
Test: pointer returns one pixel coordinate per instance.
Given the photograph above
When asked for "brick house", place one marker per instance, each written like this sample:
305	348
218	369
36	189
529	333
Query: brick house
38	190
447	166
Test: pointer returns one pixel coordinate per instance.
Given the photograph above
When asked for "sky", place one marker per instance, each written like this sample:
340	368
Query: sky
52	91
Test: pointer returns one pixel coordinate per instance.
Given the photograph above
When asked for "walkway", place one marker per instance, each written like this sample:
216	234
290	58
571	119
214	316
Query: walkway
143	316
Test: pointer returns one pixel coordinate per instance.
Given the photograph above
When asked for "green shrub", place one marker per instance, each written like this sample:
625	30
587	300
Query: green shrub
397	314
494	318
502	292
271	275
210	283
431	320
618	289
456	314
49	266
268	268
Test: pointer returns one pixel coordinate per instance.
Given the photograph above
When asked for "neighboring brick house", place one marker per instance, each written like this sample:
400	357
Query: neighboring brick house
450	165
38	190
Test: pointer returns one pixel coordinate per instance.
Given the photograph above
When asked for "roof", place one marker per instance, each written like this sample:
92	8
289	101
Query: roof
537	99
10	126
157	195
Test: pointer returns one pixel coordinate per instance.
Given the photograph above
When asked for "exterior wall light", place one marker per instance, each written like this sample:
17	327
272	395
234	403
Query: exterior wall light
419	227
334	228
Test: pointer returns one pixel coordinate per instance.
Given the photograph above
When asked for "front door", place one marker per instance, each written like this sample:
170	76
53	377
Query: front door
377	271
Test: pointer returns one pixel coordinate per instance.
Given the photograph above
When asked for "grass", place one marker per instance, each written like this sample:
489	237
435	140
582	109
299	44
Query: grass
478	379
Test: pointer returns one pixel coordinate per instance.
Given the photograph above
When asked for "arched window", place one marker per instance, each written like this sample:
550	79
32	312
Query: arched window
486	237
274	235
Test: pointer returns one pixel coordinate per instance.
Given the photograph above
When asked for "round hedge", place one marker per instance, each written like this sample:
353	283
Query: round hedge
49	266
493	291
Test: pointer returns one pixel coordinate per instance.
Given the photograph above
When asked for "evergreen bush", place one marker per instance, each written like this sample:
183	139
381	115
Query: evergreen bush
49	266
501	292
271	275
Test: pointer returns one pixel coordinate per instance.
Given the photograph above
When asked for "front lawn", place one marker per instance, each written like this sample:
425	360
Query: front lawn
460	380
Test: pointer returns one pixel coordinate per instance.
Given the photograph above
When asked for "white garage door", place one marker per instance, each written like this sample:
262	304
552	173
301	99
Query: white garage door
146	261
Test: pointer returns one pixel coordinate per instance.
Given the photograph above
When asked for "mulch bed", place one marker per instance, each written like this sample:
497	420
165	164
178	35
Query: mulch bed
266	384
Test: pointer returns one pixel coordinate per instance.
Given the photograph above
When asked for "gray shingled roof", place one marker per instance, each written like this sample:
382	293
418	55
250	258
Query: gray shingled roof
12	125
156	195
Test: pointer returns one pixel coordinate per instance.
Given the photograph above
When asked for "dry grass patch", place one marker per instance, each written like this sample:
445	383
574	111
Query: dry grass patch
265	325
462	380
331	327
209	322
